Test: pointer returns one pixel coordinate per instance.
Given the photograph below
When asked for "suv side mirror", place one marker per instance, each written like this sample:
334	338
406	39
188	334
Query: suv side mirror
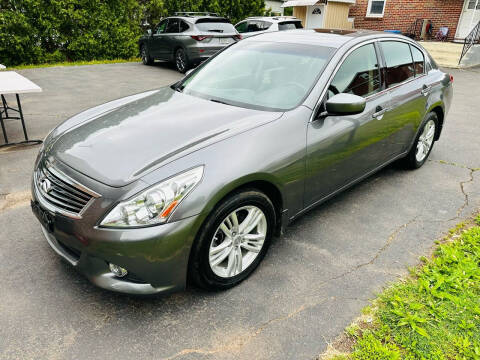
188	72
345	104
149	32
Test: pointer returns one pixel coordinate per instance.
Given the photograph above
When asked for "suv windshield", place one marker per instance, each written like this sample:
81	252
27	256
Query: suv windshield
259	75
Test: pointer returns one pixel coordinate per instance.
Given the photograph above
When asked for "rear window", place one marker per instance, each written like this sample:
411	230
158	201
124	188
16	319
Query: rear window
220	27
290	25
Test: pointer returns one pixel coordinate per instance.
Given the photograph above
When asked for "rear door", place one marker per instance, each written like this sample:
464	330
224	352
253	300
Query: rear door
170	38
409	88
341	149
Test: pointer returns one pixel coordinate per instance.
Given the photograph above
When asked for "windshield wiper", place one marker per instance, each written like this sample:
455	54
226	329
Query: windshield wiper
220	102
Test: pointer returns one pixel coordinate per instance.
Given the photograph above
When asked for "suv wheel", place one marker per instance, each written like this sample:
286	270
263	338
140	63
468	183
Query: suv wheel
146	59
181	61
233	240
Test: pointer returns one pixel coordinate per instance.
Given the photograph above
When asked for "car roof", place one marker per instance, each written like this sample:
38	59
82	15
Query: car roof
321	37
273	18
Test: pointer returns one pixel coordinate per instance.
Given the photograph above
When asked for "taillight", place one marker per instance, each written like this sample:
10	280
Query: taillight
200	37
451	78
238	37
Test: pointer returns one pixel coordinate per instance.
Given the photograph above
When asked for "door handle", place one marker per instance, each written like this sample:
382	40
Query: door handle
379	111
426	90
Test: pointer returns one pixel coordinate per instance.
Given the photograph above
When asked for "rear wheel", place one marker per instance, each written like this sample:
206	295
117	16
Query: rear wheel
146	59
181	61
423	144
233	241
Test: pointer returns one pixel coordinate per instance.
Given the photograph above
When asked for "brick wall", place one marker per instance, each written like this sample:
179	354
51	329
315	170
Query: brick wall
400	14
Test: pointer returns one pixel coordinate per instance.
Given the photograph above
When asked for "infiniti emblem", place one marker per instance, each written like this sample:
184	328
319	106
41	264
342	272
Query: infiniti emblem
46	185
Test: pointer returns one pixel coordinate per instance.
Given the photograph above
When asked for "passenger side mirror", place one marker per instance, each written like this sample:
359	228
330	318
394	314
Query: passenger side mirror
188	72
345	104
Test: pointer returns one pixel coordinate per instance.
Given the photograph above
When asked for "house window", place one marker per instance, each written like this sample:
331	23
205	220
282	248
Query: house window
376	8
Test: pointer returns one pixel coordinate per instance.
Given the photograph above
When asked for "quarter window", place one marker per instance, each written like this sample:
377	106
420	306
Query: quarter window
376	8
418	61
359	74
183	26
398	61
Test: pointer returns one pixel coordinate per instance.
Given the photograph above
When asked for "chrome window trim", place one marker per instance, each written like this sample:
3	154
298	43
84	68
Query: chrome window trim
353	48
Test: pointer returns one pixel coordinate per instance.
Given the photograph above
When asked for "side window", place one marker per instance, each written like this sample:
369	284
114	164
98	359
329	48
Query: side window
242	27
254	26
266	25
359	74
183	26
398	60
418	61
161	27
173	26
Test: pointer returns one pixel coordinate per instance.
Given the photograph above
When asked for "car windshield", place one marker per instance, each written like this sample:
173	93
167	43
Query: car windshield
259	75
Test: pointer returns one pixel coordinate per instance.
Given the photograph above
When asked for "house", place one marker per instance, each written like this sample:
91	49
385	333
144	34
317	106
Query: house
460	16
275	6
316	14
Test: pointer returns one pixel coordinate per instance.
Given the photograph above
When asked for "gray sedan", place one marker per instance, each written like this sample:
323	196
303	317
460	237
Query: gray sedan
191	182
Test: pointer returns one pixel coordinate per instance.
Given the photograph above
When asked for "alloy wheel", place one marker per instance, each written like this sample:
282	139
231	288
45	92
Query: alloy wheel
425	141
180	60
237	241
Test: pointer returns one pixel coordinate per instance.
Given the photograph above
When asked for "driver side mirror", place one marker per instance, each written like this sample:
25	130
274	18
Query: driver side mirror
149	32
344	104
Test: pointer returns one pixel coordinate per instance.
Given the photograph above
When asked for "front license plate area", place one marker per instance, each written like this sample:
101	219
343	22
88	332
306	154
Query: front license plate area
46	218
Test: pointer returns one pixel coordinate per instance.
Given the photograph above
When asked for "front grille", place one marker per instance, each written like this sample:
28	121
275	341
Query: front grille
59	192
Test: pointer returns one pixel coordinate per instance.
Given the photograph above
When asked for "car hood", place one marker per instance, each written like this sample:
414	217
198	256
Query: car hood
118	145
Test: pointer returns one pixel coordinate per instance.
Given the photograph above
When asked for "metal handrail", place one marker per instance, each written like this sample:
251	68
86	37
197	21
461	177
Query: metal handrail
471	39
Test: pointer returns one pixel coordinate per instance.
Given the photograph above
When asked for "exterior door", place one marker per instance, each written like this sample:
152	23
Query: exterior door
158	41
341	149
315	16
170	38
409	88
469	18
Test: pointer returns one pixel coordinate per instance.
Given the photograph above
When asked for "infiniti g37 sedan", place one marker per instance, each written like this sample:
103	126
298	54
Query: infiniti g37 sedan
191	182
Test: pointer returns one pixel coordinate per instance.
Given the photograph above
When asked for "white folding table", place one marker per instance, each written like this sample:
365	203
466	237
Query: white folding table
13	83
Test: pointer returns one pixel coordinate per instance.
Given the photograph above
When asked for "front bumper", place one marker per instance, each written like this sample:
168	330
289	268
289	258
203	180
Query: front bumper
156	257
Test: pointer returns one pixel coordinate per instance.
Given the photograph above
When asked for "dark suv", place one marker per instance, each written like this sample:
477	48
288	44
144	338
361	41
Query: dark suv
187	39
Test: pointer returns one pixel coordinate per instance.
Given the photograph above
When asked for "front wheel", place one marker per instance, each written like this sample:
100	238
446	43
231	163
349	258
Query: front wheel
233	241
146	59
181	61
423	144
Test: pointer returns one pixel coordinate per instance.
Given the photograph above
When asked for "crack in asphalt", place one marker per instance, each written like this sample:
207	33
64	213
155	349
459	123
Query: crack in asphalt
238	343
462	184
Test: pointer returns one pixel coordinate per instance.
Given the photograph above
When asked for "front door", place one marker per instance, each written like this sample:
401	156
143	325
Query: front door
469	18
315	16
157	45
341	149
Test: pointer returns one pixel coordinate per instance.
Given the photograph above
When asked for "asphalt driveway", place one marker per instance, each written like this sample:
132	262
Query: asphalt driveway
312	283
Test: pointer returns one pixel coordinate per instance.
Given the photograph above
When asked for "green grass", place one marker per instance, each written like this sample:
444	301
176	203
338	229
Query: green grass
434	314
72	63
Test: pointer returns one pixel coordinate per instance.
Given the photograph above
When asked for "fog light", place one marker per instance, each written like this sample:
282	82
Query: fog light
117	270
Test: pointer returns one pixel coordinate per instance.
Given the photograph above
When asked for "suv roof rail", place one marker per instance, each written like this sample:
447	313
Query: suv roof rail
195	13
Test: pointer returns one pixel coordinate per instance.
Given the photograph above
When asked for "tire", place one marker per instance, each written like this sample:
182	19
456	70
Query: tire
146	59
182	64
424	138
203	271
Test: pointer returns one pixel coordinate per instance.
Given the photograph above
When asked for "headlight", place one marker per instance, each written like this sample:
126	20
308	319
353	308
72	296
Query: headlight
156	204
